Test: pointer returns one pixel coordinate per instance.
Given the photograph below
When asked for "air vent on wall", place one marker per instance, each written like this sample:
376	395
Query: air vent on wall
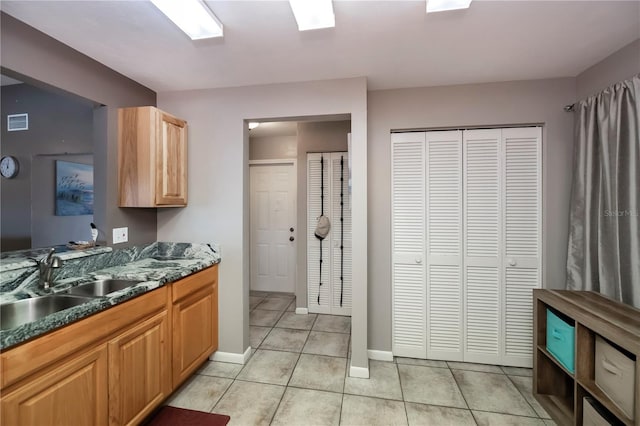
17	122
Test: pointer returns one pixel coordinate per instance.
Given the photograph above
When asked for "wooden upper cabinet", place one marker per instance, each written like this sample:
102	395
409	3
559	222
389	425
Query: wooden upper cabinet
152	158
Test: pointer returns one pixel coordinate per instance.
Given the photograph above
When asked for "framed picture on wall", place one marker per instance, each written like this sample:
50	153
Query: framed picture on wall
74	189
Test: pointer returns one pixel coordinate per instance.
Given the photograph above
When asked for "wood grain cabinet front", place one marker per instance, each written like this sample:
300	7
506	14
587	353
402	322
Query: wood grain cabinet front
152	158
138	376
195	329
70	392
117	366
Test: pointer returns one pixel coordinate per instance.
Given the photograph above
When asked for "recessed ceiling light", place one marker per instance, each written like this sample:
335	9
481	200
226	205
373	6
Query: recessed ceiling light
253	125
313	14
191	16
442	5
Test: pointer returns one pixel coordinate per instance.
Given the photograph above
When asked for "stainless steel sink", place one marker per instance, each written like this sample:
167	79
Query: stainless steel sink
102	287
24	311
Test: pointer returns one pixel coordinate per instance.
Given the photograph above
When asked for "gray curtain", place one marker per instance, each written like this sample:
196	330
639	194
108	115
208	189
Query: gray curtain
604	228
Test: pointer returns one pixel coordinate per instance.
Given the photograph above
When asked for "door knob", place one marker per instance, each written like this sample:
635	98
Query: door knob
291	229
291	238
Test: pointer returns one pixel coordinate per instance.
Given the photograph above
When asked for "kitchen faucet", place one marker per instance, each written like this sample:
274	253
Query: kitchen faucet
47	265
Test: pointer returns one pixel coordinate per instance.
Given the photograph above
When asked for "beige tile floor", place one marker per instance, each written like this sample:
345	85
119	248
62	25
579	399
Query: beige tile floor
298	376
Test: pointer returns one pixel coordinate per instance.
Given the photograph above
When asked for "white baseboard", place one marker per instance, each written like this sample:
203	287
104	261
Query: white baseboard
359	372
302	311
231	357
380	355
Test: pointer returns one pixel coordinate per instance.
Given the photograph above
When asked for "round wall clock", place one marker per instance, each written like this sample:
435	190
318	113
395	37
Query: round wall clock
9	166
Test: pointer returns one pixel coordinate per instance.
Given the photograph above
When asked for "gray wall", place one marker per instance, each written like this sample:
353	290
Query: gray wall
320	136
617	67
57	124
273	147
498	104
32	56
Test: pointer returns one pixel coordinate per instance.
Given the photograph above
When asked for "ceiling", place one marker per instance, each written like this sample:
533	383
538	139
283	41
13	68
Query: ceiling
394	44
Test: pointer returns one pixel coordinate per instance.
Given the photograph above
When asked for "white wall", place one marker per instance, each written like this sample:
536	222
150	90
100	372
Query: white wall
496	104
218	185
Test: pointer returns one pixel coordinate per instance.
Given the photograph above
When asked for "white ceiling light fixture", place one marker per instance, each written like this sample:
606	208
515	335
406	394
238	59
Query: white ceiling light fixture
253	125
192	16
313	14
442	5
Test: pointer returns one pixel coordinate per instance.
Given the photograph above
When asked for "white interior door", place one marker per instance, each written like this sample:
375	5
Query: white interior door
273	224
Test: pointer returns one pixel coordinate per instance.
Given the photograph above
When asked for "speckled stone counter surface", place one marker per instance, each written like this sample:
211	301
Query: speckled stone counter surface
154	265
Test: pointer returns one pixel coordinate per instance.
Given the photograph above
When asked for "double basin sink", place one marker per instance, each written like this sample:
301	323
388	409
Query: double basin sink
29	310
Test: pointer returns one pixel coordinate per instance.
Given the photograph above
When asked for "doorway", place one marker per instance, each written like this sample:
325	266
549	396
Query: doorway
273	225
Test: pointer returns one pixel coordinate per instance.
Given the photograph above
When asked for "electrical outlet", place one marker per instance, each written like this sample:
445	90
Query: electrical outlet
120	235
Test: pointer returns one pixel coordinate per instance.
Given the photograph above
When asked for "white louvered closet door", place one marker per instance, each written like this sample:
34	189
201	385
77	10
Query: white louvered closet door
409	336
444	245
522	238
482	245
314	288
340	235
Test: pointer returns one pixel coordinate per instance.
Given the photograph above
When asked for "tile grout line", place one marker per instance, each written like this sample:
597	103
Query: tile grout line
292	371
525	398
404	402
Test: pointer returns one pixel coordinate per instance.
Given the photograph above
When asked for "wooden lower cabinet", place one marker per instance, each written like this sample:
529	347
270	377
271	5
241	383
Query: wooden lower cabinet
114	367
138	379
195	328
73	392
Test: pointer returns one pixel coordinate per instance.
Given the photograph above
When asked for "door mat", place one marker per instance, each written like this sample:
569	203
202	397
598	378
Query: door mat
173	416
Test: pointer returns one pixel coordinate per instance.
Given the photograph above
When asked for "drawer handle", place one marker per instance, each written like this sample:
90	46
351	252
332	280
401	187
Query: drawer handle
556	335
607	365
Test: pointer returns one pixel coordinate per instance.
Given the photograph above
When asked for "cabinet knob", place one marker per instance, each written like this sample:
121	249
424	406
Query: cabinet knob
291	229
291	238
418	259
512	262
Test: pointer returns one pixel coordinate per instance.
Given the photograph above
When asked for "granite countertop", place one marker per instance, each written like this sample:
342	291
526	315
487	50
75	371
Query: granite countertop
154	265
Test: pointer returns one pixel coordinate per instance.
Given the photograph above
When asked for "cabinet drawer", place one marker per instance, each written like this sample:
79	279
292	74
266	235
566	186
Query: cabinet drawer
561	340
615	373
593	415
193	283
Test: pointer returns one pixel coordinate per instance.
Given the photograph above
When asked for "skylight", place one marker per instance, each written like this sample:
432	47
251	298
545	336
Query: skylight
313	14
191	16
442	5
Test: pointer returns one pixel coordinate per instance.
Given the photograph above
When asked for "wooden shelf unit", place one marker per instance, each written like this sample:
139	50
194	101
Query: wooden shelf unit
561	392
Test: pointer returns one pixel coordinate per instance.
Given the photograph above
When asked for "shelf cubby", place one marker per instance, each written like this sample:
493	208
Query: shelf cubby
558	390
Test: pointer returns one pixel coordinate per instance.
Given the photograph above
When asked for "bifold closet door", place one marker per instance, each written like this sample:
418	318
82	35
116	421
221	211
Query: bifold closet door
317	285
482	245
328	173
466	243
444	306
409	304
521	239
340	235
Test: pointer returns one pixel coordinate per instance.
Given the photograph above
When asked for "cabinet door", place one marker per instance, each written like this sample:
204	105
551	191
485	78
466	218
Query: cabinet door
171	158
73	392
139	378
193	333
